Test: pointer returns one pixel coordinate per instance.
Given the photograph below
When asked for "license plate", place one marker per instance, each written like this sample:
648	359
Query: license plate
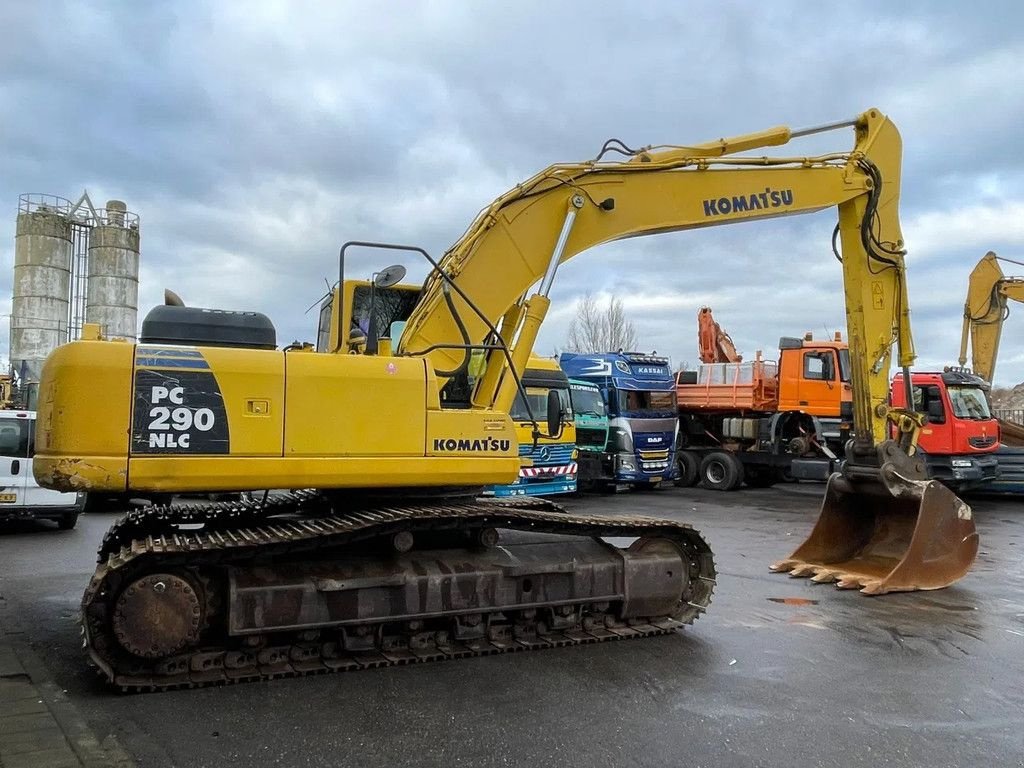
8	498
655	479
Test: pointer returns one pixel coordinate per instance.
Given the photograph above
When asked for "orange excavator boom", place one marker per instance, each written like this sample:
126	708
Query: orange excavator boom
716	345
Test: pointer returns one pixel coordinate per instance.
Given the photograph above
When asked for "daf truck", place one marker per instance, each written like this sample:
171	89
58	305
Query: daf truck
638	390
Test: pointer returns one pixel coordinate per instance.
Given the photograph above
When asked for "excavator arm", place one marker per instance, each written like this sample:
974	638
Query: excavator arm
985	310
482	286
715	345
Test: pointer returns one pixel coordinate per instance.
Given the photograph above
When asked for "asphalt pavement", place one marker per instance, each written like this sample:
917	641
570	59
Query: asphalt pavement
779	672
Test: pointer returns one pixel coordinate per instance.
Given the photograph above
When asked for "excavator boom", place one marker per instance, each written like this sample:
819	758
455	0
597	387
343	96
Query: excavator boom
715	344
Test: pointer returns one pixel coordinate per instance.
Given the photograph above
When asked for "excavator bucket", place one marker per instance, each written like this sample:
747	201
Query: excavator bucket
892	535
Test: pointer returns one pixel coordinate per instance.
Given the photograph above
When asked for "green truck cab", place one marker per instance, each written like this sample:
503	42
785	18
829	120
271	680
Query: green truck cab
591	430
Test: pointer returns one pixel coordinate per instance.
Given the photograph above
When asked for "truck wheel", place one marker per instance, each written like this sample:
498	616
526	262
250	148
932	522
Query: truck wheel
689	469
760	477
67	521
721	471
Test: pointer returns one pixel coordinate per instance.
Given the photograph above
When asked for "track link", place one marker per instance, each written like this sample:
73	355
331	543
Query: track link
303	524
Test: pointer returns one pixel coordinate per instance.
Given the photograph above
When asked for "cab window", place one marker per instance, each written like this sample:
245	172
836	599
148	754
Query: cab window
538	402
640	403
819	366
928	400
14	438
323	334
969	403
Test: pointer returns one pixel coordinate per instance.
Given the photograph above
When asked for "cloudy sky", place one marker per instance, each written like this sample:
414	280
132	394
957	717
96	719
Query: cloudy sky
254	138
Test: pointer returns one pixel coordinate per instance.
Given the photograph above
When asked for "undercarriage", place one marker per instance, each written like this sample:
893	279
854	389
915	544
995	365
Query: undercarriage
302	583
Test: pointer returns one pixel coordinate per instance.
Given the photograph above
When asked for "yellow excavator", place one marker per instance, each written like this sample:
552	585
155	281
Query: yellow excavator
988	293
985	310
382	553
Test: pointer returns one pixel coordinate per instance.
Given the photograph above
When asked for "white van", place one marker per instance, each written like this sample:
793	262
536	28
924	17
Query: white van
20	494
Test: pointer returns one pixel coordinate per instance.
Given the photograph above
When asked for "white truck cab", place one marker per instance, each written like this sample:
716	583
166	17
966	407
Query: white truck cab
20	494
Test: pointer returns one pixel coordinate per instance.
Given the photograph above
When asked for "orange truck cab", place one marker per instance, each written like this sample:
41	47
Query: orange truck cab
814	377
960	440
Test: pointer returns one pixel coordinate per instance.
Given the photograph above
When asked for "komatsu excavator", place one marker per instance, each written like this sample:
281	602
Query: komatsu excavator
392	558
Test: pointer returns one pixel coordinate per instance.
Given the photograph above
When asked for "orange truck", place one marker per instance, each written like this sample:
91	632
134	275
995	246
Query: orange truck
762	421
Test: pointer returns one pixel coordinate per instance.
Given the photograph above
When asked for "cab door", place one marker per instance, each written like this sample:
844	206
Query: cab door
819	389
14	465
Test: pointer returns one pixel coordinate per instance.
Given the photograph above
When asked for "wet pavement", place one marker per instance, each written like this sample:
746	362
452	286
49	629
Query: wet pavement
780	672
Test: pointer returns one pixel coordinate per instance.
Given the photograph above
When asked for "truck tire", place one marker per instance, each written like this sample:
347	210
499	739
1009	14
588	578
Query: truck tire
67	521
689	469
721	471
760	477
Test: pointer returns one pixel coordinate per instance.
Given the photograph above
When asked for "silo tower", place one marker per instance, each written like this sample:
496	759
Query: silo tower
112	292
42	282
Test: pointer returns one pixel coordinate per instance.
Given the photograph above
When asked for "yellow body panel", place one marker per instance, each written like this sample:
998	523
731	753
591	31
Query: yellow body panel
473	427
169	474
166	419
84	415
351	405
251	382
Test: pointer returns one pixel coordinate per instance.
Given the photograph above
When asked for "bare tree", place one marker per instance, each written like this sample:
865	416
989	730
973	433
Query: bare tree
601	329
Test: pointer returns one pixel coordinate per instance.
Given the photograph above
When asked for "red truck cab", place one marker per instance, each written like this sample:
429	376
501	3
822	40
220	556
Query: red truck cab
961	437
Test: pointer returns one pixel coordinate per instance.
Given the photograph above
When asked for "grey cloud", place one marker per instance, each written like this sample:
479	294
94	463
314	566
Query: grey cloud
254	140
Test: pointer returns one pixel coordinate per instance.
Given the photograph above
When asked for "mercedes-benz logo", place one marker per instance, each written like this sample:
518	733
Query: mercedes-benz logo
544	453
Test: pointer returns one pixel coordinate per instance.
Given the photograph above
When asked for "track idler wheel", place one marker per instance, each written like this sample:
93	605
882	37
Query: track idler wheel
158	615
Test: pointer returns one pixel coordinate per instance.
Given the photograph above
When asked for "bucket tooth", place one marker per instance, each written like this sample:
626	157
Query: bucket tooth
847	581
888	534
797	570
872	588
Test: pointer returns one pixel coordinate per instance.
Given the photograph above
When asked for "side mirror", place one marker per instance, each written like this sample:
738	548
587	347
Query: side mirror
936	413
384	279
554	412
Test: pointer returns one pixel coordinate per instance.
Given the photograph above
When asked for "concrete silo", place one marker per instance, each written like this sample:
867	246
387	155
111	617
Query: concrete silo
112	292
42	283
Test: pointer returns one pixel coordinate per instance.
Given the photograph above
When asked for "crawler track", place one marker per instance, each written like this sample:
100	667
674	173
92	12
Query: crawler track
199	543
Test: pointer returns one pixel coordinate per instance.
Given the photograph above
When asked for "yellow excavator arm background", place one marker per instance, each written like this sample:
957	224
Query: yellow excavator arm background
524	235
985	310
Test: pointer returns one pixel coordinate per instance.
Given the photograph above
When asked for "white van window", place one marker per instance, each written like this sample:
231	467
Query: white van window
14	437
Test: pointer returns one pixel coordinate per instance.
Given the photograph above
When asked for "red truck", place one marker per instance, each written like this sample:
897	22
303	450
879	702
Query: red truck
960	440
